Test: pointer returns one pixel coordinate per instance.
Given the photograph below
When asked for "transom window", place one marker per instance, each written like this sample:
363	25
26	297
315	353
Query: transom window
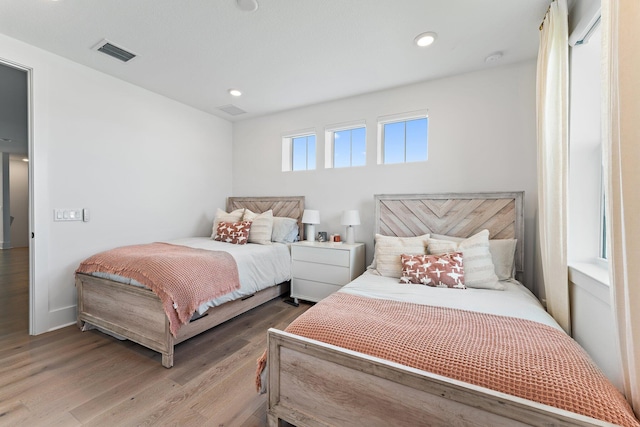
299	152
304	153
346	146
403	140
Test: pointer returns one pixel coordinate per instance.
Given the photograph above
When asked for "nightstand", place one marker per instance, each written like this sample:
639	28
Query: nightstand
321	268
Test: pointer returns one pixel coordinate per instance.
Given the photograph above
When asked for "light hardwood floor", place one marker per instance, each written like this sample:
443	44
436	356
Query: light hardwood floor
72	378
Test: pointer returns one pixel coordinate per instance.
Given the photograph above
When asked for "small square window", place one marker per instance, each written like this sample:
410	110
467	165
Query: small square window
299	152
346	148
403	140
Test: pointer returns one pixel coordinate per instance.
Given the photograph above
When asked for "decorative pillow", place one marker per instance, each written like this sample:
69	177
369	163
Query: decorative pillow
285	230
233	216
502	254
478	264
386	257
261	227
233	232
440	271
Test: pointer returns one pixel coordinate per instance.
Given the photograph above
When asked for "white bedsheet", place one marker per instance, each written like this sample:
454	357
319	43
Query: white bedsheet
259	266
514	301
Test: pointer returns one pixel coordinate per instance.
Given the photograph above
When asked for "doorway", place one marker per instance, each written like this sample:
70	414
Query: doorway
15	237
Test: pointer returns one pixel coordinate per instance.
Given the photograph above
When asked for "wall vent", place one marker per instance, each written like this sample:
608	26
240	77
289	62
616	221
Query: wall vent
232	110
114	51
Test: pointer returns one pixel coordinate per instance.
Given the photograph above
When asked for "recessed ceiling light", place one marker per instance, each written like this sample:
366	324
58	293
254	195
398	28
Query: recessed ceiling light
234	92
26	160
425	39
247	5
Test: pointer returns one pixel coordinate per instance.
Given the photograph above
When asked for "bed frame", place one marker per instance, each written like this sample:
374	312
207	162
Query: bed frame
358	389
136	313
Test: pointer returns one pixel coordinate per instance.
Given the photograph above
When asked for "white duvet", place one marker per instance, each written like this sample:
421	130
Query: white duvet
514	301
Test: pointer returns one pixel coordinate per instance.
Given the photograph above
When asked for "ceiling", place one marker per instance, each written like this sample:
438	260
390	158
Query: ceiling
287	53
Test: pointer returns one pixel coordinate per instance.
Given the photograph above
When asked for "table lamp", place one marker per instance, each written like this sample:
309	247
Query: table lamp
350	218
311	217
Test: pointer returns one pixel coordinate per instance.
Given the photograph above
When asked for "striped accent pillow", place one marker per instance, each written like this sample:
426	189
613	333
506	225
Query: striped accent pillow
261	226
386	258
479	271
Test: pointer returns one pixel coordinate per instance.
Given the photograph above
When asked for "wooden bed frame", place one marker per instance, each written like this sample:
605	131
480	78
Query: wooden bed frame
358	389
137	314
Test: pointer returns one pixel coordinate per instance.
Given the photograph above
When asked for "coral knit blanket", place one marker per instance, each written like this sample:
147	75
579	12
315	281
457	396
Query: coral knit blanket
182	277
515	356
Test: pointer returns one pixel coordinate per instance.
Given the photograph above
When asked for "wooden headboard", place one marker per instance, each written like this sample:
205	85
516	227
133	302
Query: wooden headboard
454	214
291	207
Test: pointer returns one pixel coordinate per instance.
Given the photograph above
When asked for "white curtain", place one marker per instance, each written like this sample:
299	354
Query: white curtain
553	159
621	145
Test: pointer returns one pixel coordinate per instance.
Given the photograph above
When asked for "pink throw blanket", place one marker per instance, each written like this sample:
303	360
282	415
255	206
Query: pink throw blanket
182	277
515	356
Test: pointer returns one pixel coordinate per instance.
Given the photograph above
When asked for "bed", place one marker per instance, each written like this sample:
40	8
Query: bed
121	308
315	383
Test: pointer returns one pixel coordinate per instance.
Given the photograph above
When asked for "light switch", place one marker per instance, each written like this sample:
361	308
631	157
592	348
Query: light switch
68	215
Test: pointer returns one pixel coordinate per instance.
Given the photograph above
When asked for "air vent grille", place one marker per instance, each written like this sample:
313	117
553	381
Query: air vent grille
114	51
232	110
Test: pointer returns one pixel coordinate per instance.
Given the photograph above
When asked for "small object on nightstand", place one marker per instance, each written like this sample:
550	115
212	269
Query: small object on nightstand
320	269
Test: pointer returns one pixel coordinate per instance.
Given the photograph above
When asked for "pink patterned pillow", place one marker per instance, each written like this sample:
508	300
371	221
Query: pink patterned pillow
441	271
233	232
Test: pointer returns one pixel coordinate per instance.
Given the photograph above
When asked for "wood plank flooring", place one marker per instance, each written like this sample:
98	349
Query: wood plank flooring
72	378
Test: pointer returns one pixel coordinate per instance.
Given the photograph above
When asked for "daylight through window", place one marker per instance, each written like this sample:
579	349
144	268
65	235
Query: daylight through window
303	152
403	141
346	146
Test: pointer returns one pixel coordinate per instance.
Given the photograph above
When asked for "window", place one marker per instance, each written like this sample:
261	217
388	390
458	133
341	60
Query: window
299	152
304	153
346	145
403	139
603	223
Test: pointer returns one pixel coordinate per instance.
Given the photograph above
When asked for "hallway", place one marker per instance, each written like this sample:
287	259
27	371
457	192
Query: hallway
14	291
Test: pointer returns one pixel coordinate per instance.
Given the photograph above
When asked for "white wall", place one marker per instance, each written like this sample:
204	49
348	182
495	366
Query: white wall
19	196
482	137
147	167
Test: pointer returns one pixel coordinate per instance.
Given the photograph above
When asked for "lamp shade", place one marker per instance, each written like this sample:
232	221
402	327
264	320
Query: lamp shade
351	217
310	216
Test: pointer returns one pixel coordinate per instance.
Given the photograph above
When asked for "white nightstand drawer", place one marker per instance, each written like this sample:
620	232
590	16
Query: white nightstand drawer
321	255
312	291
321	272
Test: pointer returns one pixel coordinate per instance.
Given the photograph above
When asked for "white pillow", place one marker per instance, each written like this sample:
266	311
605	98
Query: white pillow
502	254
386	257
476	259
233	216
285	230
261	226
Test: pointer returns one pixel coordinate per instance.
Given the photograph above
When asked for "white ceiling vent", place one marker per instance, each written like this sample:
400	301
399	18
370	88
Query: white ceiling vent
106	47
232	110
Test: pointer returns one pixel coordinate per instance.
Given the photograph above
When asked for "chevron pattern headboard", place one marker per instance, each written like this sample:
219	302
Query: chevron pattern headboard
286	206
454	214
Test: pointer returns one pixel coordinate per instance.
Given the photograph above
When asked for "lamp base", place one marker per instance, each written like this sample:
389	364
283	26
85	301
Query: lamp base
351	235
311	233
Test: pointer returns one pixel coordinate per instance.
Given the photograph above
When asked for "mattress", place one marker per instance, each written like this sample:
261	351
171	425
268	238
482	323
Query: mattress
515	301
259	266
